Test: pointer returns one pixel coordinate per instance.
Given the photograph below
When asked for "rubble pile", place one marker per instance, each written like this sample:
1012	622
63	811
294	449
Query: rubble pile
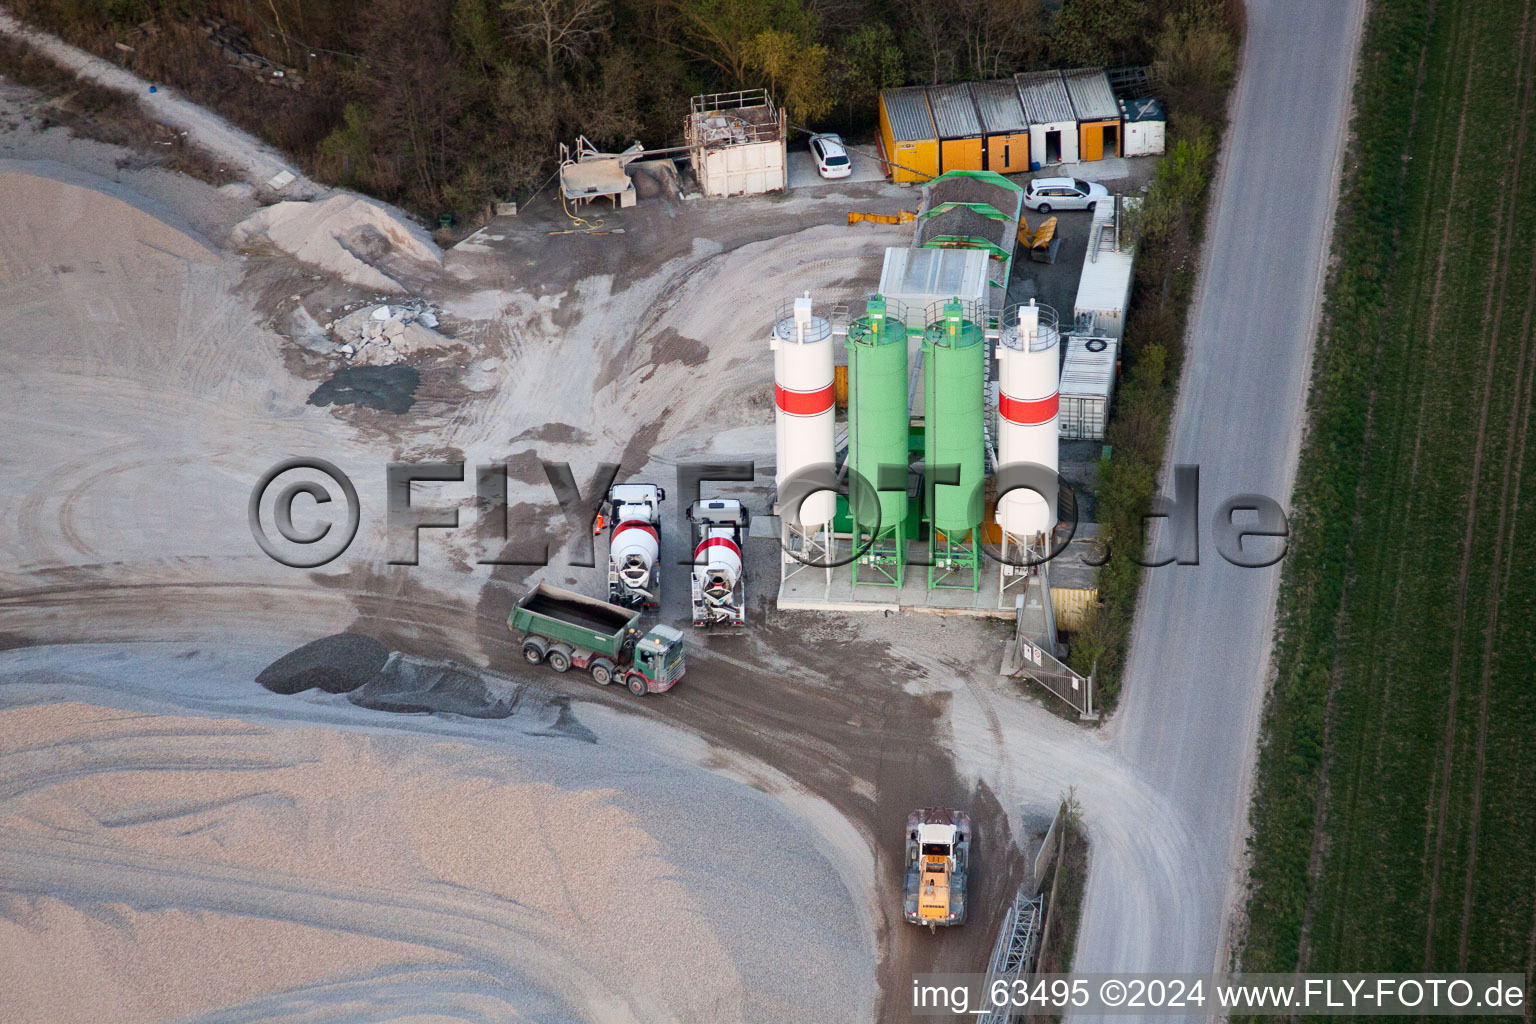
375	335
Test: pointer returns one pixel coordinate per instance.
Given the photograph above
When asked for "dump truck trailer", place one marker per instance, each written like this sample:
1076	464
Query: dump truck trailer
938	860
565	630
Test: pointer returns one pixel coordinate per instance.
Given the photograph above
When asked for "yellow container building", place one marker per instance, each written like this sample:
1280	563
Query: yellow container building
960	135
909	142
1003	125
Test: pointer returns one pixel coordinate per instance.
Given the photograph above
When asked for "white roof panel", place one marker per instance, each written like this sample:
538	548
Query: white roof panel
1106	280
920	277
1088	374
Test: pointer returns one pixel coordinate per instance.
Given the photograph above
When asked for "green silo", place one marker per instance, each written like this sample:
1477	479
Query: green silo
877	436
954	381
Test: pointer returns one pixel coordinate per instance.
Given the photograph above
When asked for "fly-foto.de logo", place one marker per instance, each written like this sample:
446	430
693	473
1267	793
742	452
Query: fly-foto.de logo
305	512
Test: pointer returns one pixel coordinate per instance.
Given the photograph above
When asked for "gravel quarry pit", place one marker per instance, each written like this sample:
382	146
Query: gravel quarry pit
150	388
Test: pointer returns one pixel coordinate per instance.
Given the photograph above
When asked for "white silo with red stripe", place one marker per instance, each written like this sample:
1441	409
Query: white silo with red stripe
1028	377
803	411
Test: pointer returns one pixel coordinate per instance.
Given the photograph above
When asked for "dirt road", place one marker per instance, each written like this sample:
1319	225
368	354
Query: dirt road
257	162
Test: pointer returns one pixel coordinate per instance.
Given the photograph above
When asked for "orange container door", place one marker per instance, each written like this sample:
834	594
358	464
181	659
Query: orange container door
1093	142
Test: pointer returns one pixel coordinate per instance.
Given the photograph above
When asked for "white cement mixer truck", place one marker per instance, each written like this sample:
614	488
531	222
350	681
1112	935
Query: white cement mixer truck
719	585
634	545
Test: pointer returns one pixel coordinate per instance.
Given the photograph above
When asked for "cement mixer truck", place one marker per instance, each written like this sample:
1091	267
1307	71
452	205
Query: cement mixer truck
634	545
719	587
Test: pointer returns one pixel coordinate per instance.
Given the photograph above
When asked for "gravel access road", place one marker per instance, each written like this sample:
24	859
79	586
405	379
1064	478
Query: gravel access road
1199	662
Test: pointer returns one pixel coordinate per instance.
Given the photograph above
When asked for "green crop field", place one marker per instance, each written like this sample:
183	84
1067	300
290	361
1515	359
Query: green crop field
1395	807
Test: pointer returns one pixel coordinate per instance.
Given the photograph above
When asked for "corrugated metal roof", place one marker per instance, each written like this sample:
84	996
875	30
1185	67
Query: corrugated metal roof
921	277
907	112
1044	97
1086	374
1092	98
953	112
998	105
1106	281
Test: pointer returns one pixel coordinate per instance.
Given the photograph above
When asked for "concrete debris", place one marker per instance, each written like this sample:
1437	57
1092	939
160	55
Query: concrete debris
379	335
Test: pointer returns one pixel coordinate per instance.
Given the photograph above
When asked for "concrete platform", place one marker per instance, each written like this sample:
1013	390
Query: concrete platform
808	589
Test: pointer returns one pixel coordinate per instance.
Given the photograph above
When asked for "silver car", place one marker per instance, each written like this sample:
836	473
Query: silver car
1046	194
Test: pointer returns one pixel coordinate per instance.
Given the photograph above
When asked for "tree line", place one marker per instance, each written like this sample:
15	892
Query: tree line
442	105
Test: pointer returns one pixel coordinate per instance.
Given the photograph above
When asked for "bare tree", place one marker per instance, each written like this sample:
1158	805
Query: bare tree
999	34
562	30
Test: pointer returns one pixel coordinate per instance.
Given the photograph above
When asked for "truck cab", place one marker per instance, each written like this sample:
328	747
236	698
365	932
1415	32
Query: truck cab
938	852
658	661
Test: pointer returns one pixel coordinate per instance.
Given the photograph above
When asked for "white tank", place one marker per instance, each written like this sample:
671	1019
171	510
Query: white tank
803	400
717	562
1029	377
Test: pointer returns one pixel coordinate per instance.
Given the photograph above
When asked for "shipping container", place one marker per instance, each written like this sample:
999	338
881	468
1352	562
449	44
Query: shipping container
1145	125
909	142
1097	112
1003	125
960	135
1053	134
1104	289
1087	384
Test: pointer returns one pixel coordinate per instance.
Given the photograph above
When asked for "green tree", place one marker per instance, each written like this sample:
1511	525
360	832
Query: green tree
559	31
1101	32
867	60
721	32
797	73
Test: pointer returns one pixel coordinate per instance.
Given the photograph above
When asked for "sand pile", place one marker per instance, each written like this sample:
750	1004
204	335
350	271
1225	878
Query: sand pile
405	857
342	235
54	214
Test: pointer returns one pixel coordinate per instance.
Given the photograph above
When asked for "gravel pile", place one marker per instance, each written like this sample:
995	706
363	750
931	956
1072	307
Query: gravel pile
335	664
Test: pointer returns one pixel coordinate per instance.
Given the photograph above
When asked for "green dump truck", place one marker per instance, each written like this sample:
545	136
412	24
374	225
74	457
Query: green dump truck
563	629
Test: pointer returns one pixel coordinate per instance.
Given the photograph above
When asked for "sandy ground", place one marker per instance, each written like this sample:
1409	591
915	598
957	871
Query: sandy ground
171	854
164	864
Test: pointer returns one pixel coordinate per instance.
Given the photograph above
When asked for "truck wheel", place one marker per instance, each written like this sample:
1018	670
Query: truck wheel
637	684
533	654
602	671
558	660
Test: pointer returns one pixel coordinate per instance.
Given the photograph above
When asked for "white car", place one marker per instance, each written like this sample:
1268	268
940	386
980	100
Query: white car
1046	194
831	158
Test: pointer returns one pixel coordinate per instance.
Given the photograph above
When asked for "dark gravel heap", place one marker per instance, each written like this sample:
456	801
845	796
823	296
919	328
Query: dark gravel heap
335	664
